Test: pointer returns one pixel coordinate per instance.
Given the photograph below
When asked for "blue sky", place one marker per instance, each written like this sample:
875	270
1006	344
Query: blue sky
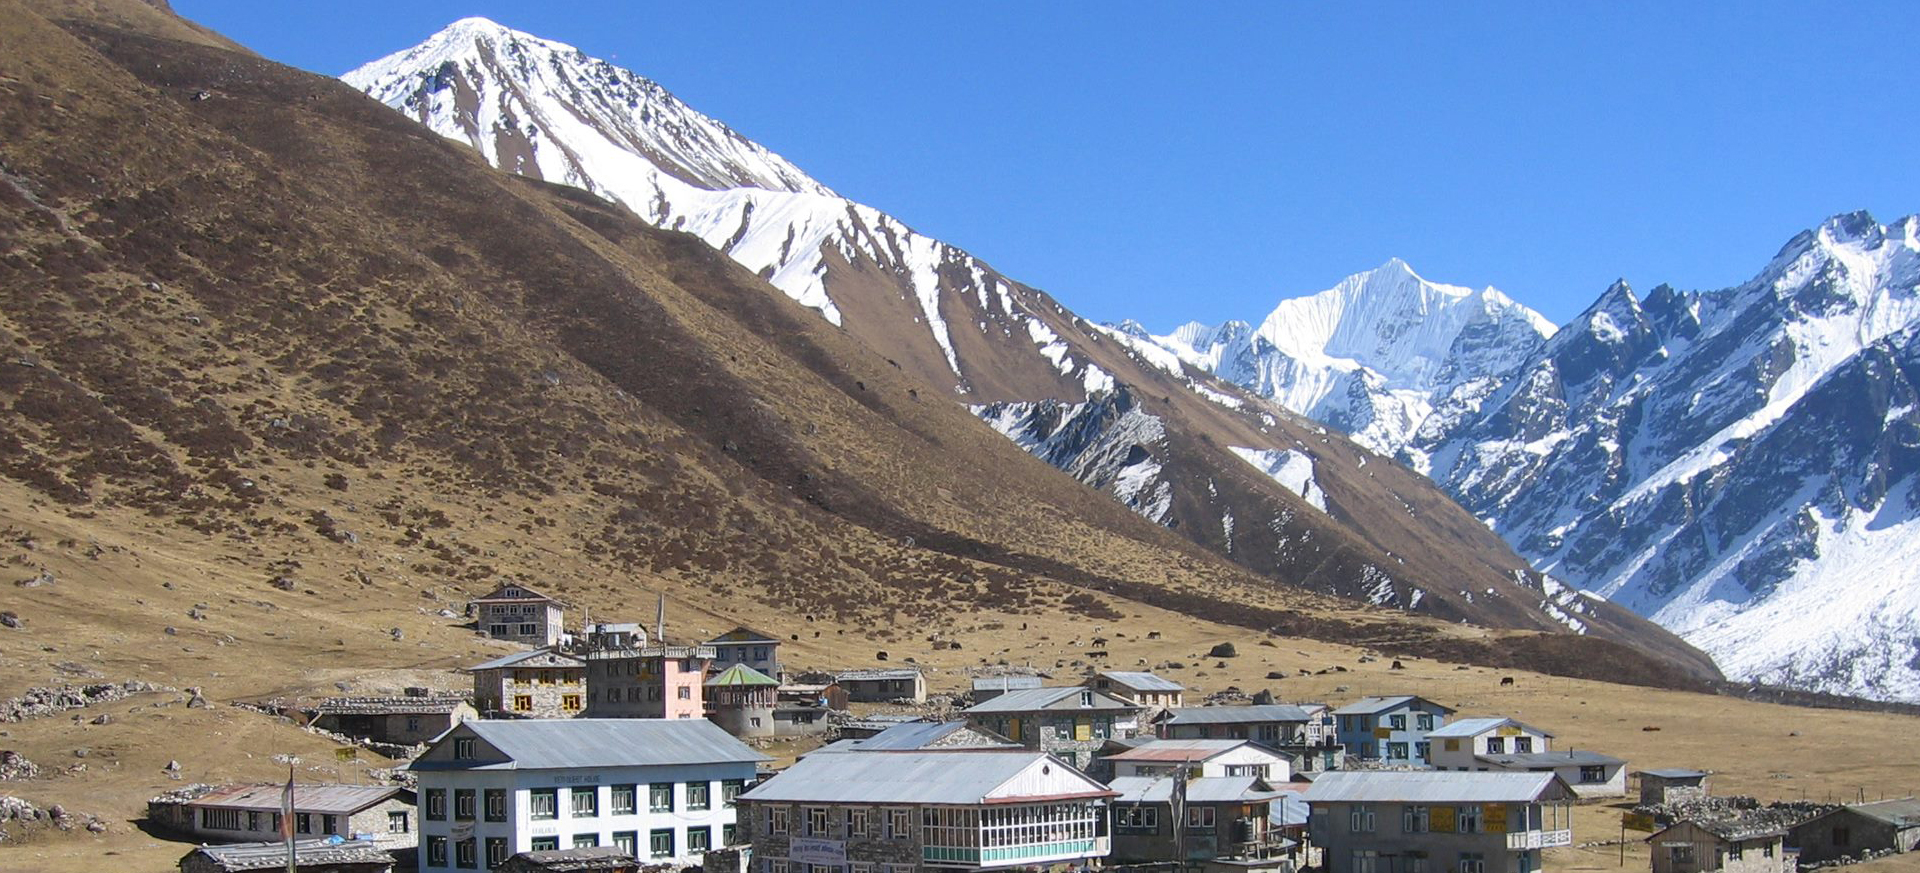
1168	164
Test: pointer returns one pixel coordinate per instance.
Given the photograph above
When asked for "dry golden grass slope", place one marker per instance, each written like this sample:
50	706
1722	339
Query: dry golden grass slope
279	332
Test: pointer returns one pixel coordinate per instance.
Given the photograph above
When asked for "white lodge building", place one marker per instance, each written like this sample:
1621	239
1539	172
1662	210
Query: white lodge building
908	811
662	790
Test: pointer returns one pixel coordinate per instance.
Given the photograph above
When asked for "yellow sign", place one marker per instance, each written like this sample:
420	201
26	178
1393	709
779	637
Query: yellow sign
349	753
1382	733
1638	821
1494	818
1508	730
1440	820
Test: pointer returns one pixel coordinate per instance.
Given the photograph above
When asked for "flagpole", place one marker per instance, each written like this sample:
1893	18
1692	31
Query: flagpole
286	820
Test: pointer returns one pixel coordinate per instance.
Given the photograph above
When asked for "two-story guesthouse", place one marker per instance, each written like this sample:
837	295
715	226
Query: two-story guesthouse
746	646
519	614
539	684
1153	692
653	681
1390	730
911	811
1374	821
1071	722
660	790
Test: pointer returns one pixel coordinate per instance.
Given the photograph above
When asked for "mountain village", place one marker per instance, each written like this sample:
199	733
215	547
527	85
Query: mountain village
543	765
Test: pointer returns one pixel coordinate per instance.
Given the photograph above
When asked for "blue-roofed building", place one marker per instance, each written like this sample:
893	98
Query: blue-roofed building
1390	730
661	790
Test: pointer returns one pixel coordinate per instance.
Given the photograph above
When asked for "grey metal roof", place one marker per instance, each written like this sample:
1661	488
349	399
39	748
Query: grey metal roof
1178	750
1271	712
273	855
337	799
1047	699
739	635
1548	760
560	743
1007	682
1675	773
520	657
957	776
1207	789
1371	705
1472	727
1904	812
1435	786
1289	810
1143	681
875	675
917	735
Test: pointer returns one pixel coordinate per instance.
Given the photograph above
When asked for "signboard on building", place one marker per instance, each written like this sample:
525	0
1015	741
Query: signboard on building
1638	821
1495	818
815	851
1441	819
1507	730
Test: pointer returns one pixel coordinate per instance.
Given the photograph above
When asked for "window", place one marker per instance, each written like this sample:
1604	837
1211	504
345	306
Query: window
543	804
627	841
1397	722
660	797
1473	862
1593	773
329	824
463	804
1766	851
1365	861
527	630
413	724
685	692
1137	817
1200	816
396	822
699	839
496	851
436	804
544	844
1496	746
817	821
899	824
463	748
1396	751
496	801
776	819
586	803
660	843
699	795
585	841
729	835
621	799
496	630
1842	836
1360	818
1413	820
523	703
1423	750
1424	721
570	702
730	789
221	819
1086	698
464	854
1737	851
1523	745
1466	820
856	821
436	851
303	822
776	865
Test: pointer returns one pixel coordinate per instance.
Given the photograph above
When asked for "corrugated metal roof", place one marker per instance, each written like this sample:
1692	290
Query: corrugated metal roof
1904	812
875	675
1038	699
1178	750
1208	789
1271	712
954	776
915	736
1431	786
520	657
742	634
1371	705
438	705
1473	727
1675	773
560	743
1536	760
271	856
1143	681
1290	810
336	799
1009	682
741	676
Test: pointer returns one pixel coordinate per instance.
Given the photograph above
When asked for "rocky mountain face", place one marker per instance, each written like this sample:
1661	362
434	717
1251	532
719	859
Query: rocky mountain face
1735	464
1179	447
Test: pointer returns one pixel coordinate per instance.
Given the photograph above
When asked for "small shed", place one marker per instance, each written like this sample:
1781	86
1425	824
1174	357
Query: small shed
883	686
1730	844
591	859
1854	830
1658	787
317	856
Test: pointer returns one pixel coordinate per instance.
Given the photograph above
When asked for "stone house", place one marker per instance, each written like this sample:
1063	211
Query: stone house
489	790
1704	846
1672	785
1509	745
595	859
651	682
1853	830
1373	821
909	811
378	814
519	614
537	684
1151	691
883	686
746	646
309	857
1389	730
1071	722
410	720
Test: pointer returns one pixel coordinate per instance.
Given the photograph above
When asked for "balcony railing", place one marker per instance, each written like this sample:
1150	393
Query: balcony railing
1522	840
1032	853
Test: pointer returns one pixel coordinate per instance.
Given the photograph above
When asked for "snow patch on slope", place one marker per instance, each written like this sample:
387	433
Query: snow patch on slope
1291	468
